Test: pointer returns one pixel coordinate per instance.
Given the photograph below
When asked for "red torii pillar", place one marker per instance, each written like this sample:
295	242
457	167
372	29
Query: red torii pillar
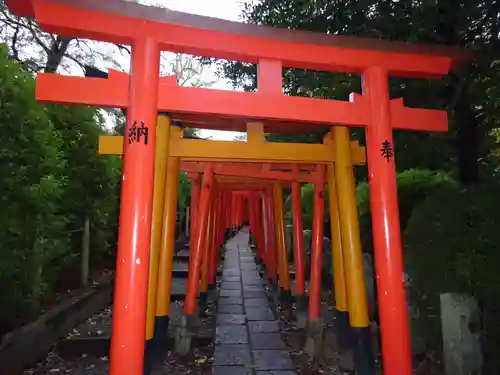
385	222
134	234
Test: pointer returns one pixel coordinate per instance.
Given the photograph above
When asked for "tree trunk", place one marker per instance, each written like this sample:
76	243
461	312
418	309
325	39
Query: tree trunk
188	219
37	261
84	275
56	54
467	141
467	137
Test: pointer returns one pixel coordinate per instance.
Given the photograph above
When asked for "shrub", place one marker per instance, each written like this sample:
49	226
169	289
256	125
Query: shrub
414	185
452	244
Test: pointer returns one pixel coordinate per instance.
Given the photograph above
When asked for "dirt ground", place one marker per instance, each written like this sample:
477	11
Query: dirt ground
199	362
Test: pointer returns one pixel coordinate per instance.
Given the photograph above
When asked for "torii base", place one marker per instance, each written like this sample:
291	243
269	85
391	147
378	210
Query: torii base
301	312
185	333
314	339
285	297
157	347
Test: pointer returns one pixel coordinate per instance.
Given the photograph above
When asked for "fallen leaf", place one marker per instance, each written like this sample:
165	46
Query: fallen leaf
201	361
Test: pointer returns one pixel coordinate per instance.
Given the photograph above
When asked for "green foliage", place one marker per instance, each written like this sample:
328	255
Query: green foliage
453	245
33	183
307	205
52	180
414	185
184	195
469	94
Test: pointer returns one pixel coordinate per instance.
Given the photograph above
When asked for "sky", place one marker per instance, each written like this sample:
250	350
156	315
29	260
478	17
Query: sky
225	9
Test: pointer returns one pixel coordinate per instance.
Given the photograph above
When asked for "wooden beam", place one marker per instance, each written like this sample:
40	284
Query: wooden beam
305	113
113	22
266	152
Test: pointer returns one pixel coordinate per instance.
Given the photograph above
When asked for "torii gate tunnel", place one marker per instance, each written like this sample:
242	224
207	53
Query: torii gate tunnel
150	30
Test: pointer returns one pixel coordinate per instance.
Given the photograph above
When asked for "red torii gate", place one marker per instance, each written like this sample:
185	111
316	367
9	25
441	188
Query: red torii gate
150	30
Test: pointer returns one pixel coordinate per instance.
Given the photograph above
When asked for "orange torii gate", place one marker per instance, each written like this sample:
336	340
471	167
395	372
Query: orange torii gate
346	153
150	30
238	177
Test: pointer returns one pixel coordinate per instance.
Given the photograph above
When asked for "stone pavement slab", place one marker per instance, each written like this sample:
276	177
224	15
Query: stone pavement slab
248	266
272	360
230	272
231	334
232	355
252	288
229	309
235	285
246	261
230	301
256	302
247	294
225	319
233	370
257	313
264	326
231	278
229	293
253	282
267	341
248	339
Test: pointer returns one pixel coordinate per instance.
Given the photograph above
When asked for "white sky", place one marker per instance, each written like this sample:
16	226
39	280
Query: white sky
225	9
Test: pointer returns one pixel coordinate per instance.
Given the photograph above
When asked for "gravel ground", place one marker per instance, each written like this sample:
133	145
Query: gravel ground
198	362
295	339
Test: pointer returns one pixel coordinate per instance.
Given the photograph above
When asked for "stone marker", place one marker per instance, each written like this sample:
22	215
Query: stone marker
460	325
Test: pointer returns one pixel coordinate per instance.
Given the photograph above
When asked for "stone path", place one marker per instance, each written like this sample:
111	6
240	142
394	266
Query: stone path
248	340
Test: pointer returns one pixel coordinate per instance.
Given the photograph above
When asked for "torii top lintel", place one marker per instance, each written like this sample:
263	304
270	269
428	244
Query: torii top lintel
123	22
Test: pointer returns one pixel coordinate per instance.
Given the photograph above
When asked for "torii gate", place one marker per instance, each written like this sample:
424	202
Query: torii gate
150	30
346	156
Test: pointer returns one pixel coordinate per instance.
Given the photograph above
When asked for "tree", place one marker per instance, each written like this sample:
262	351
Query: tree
33	183
39	51
187	69
241	137
467	93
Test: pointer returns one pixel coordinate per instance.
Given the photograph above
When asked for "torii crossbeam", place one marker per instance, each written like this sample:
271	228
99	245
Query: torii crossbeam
150	30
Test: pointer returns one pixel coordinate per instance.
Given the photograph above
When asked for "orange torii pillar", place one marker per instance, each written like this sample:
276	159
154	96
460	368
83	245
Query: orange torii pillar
184	334
239	211
272	263
195	194
252	238
351	269
223	218
298	256
314	339
215	241
162	190
285	294
253	211
227	215
255	207
242	217
165	262
234	210
207	253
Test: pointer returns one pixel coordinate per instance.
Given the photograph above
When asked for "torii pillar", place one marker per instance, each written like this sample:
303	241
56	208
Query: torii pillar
131	284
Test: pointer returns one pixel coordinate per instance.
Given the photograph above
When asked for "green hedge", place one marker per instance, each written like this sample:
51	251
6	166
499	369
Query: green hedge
414	185
51	179
452	244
